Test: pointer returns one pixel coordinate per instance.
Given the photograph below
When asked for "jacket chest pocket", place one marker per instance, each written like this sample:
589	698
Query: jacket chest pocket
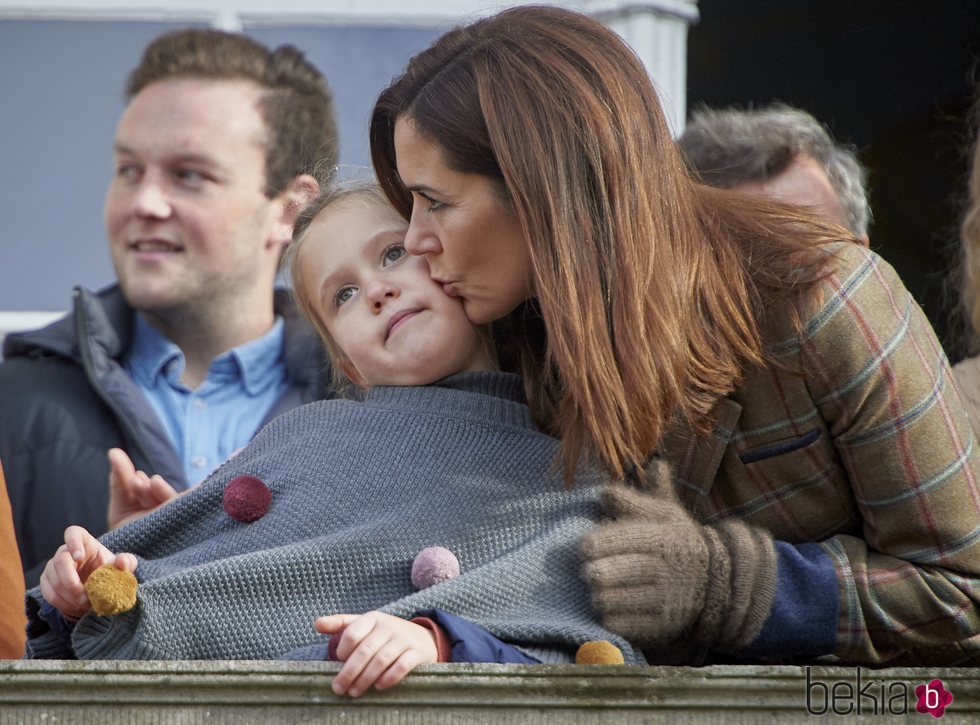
795	487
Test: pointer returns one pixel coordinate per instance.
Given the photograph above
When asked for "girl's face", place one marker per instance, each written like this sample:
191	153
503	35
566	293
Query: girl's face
393	323
471	238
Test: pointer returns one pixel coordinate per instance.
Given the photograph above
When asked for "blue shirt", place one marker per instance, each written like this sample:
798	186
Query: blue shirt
210	423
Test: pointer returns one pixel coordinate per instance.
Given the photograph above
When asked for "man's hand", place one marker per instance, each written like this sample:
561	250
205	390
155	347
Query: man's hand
377	649
133	494
63	579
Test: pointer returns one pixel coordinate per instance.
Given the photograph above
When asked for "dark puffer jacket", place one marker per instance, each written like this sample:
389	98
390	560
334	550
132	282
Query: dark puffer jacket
65	399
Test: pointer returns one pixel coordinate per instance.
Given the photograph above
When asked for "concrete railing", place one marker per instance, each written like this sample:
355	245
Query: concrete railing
289	692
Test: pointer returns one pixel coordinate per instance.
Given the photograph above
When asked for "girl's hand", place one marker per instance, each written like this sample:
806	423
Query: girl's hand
64	577
133	494
377	649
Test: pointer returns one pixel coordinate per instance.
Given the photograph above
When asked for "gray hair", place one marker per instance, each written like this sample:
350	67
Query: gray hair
731	146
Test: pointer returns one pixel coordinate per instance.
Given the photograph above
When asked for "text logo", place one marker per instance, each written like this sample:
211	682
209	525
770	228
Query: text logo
933	698
873	697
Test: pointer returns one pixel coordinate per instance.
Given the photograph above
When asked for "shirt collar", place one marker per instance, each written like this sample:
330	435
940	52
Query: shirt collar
258	357
152	354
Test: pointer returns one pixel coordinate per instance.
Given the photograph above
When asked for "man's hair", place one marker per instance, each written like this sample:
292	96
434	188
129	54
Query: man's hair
651	287
296	105
731	146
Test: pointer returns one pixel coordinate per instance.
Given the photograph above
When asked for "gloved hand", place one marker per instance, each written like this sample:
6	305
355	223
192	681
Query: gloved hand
659	577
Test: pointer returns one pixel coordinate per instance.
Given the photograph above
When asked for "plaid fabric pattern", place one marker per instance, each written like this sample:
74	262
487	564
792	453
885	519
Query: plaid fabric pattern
867	452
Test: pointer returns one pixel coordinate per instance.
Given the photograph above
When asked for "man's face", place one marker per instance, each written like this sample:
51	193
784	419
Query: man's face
803	183
187	220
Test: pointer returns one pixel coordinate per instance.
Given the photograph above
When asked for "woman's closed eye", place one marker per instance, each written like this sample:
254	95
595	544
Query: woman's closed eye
430	203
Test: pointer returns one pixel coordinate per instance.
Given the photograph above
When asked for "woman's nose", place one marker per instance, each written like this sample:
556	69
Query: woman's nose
421	238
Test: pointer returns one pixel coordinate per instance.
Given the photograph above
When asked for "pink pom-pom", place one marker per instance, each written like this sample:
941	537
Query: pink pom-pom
246	499
434	565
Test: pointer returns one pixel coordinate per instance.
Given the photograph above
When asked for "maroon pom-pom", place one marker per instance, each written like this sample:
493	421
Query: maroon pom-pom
246	499
434	565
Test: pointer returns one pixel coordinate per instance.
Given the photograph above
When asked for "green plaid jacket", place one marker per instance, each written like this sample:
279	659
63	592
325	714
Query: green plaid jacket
867	452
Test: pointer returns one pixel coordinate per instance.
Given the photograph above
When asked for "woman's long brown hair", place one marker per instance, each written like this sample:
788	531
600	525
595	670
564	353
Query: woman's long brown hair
650	286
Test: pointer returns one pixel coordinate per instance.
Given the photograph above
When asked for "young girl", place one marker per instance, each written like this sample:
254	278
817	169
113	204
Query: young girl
440	452
827	499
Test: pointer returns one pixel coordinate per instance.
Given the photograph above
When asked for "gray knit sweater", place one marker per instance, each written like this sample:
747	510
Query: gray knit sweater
358	489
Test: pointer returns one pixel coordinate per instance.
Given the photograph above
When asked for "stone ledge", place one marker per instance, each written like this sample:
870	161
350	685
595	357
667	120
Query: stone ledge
268	692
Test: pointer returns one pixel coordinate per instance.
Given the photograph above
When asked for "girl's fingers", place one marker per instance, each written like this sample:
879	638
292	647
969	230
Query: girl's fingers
75	542
356	657
126	562
333	623
160	491
408	661
376	666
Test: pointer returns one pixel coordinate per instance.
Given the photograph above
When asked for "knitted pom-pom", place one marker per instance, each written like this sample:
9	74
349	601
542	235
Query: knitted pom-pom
111	590
434	565
246	499
599	652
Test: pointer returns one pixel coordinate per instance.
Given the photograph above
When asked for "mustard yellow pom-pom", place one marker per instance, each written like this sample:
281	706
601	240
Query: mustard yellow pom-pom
599	652
111	590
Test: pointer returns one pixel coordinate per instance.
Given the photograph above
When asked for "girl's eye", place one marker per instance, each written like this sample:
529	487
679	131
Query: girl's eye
343	295
393	254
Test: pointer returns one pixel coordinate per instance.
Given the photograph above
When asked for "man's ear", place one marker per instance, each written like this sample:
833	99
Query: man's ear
300	192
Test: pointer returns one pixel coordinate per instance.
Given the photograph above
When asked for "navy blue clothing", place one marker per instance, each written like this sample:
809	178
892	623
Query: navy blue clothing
803	620
472	643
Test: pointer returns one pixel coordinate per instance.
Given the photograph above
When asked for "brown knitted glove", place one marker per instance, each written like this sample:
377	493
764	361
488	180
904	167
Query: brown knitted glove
659	577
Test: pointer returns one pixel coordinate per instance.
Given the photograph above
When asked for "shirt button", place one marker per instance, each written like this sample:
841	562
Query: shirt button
199	461
200	404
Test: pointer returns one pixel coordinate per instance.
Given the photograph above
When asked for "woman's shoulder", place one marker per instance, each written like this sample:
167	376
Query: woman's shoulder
858	283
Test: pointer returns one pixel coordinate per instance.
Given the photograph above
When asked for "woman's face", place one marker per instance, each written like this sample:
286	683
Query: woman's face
469	235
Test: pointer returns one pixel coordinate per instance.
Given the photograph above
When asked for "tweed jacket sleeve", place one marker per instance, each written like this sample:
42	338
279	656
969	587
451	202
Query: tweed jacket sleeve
909	578
868	453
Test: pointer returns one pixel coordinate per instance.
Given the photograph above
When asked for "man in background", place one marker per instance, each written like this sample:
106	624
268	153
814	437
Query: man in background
782	152
193	349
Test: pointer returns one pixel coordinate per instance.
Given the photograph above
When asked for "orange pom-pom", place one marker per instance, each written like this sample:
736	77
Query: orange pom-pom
599	652
111	590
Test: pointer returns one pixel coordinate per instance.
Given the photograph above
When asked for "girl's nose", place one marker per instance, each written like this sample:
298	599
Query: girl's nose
381	291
